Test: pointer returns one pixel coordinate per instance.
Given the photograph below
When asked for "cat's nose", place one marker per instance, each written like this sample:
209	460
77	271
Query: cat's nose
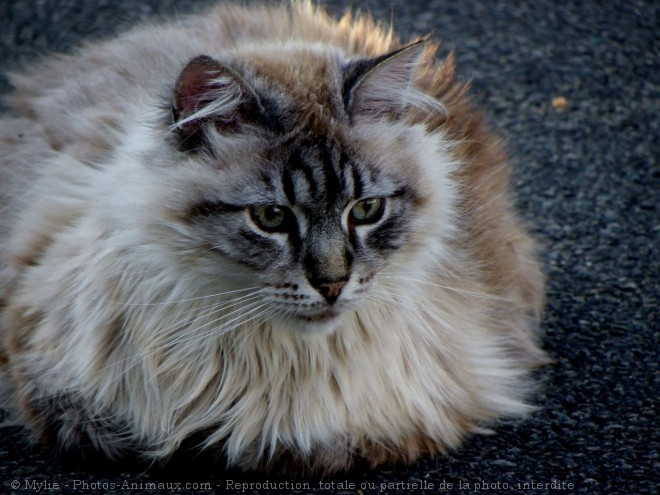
330	290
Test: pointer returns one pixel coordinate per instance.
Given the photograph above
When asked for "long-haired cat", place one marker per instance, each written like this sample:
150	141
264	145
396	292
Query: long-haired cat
286	235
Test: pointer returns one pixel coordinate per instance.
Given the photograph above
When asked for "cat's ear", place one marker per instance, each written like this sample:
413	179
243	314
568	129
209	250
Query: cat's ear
382	86
208	91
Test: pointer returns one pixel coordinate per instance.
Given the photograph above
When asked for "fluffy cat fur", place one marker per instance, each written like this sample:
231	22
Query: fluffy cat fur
185	253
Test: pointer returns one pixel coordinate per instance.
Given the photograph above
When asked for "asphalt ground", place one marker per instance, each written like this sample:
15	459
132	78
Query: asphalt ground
588	181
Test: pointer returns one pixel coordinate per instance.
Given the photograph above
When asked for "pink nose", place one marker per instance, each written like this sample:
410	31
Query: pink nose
331	290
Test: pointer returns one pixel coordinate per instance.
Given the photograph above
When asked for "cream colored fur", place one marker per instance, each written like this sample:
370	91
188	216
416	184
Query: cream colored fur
110	298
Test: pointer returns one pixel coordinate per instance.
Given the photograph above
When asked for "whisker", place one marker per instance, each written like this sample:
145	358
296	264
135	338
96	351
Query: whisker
184	300
258	304
214	309
254	306
184	338
283	317
482	295
396	295
224	329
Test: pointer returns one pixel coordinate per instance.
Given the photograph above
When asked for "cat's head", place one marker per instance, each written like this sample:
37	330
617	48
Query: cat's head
315	181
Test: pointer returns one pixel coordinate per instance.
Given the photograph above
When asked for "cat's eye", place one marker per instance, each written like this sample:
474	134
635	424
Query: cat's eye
271	218
366	211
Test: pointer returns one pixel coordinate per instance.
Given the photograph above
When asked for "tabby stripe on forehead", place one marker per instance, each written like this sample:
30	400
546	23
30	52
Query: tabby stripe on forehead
296	163
358	186
346	172
287	184
332	183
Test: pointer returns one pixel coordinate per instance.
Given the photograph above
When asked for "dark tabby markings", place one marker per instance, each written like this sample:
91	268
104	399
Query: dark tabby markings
287	286
353	73
289	189
211	208
332	183
358	186
387	237
295	297
332	178
296	163
325	188
354	240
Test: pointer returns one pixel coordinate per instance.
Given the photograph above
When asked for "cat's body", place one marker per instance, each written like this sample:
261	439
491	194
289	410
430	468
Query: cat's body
294	245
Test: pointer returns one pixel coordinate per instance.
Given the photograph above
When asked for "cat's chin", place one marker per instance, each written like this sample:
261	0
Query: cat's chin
321	324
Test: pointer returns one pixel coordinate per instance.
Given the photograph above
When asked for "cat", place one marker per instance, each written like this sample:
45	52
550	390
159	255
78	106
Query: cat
286	236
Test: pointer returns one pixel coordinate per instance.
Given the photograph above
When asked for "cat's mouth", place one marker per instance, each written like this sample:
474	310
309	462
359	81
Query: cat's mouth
311	317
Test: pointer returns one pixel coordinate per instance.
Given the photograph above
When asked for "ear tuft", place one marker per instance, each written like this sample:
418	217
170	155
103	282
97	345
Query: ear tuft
383	85
209	91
